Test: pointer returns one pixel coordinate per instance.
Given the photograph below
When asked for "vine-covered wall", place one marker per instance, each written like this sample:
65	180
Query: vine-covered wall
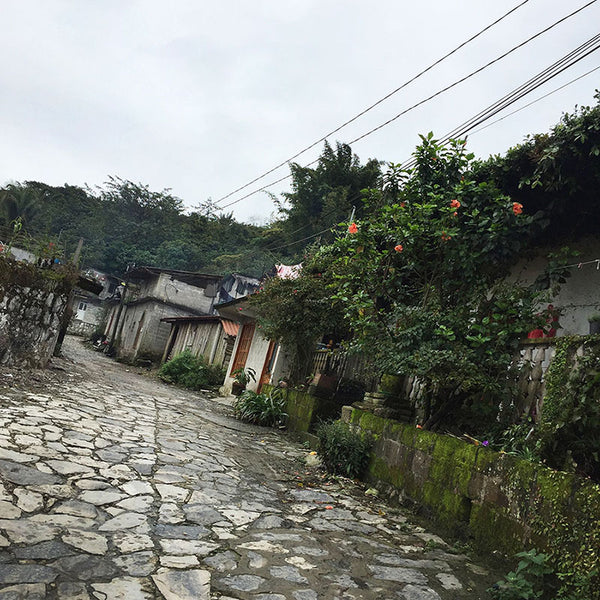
32	304
497	501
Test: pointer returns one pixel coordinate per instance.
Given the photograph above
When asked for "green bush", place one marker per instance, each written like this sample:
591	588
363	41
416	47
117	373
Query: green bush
526	581
260	409
535	577
569	431
192	372
343	451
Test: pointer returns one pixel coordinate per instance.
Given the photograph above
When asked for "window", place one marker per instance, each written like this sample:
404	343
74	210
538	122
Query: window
82	306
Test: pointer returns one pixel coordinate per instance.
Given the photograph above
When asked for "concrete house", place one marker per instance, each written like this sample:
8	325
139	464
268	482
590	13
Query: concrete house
210	336
152	295
88	308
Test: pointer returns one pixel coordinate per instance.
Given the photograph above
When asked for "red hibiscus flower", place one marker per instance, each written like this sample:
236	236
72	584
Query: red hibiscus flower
353	228
398	248
455	203
517	208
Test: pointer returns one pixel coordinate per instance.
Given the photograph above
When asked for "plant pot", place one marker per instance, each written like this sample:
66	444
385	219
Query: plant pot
237	388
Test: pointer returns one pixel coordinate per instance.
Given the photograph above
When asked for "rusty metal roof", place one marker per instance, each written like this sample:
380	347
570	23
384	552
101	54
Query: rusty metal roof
229	327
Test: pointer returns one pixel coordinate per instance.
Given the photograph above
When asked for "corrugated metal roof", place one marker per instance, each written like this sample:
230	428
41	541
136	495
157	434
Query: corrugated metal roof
229	327
192	318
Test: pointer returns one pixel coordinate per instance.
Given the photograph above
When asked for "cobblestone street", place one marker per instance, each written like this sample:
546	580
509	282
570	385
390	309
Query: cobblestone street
114	486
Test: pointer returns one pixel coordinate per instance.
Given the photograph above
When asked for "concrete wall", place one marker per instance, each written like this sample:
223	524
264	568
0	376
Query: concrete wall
579	297
497	501
85	322
177	292
145	338
30	316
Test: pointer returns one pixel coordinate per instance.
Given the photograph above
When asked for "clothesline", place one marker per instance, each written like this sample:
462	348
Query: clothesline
596	261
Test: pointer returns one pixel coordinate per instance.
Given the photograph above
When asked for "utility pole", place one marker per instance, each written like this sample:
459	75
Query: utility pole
113	335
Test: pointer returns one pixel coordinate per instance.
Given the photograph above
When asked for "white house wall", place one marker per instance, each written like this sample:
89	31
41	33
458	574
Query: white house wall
579	297
256	360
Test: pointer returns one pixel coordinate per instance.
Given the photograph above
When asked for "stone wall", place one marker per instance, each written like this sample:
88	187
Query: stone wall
304	410
497	501
32	304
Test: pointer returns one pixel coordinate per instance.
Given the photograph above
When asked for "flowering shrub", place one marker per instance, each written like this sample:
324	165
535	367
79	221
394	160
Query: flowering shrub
422	281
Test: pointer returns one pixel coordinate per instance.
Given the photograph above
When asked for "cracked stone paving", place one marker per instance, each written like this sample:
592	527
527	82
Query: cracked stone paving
114	486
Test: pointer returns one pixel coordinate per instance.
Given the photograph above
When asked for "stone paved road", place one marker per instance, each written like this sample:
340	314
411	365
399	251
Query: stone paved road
116	487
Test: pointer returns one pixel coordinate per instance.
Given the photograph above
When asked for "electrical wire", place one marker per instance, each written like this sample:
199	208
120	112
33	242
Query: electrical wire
555	69
302	240
466	77
569	60
535	101
431	97
377	103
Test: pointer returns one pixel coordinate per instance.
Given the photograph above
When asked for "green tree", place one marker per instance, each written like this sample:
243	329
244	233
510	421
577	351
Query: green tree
298	312
323	196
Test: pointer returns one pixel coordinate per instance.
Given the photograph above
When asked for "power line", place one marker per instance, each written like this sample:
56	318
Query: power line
532	84
431	97
470	75
327	214
535	101
555	69
302	240
372	106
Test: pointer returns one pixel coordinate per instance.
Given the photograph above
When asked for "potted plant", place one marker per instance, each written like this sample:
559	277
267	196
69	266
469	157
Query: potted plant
242	377
594	324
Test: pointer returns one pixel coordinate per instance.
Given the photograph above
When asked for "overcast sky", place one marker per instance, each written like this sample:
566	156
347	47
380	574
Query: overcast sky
202	97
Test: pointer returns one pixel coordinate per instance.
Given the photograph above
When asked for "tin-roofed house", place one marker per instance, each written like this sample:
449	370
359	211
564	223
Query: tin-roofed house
267	358
210	336
137	324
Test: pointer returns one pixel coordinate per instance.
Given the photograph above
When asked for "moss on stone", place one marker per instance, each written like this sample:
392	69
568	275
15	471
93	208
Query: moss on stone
492	528
371	423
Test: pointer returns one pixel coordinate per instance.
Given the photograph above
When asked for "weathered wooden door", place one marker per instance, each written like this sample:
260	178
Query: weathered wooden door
241	355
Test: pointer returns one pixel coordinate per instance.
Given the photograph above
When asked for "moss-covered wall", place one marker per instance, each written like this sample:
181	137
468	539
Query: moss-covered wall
301	409
305	410
32	305
498	501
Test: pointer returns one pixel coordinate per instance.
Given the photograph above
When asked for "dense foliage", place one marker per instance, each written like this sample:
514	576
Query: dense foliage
123	223
260	409
343	451
422	282
536	577
557	173
323	196
568	436
192	372
298	312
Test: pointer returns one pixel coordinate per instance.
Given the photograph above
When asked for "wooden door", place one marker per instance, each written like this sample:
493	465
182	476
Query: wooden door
241	355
